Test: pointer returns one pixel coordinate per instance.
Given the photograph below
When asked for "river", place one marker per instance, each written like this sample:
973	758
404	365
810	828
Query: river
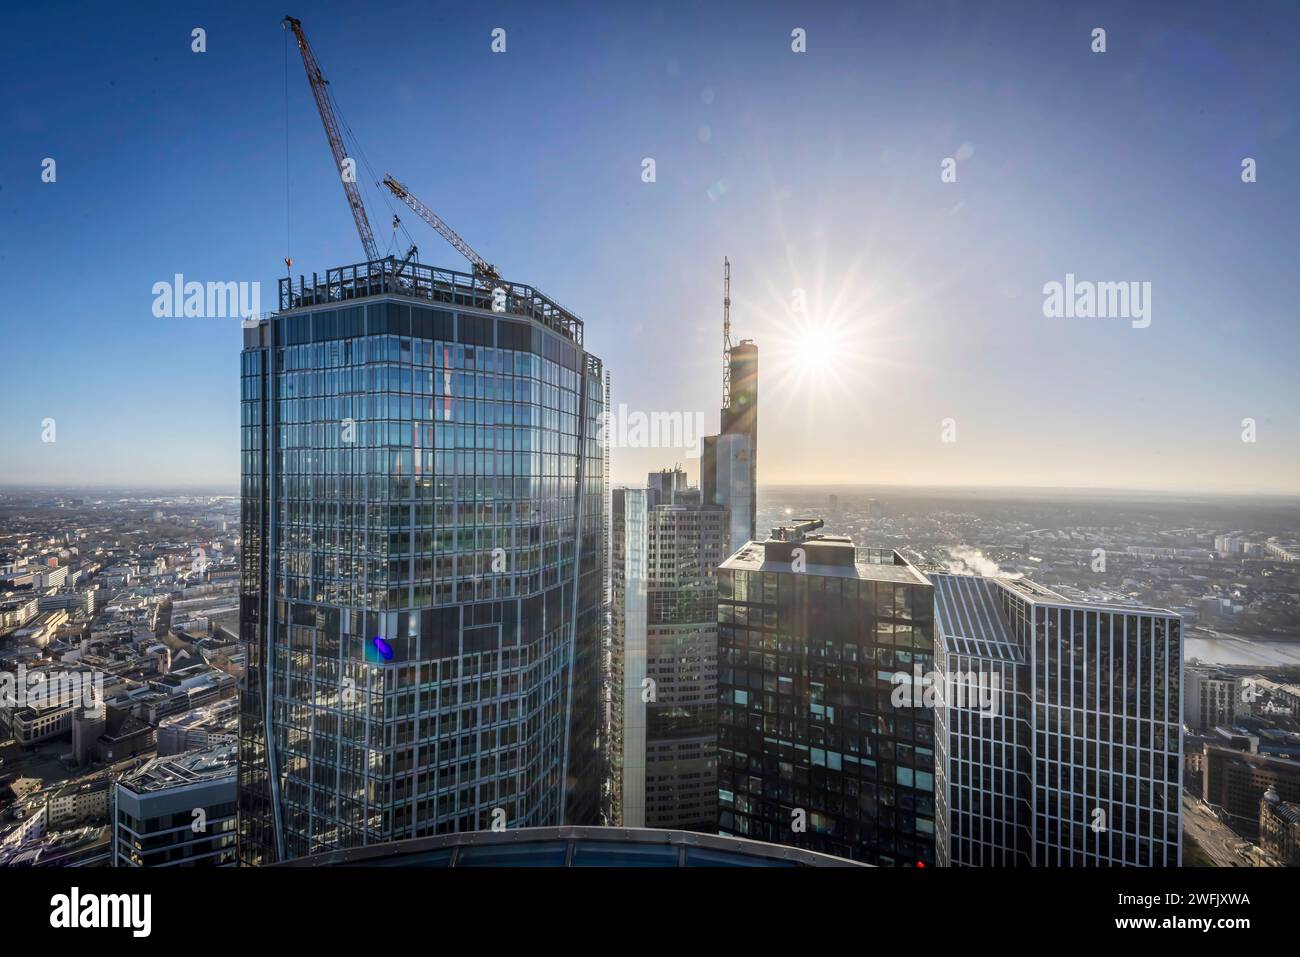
1225	649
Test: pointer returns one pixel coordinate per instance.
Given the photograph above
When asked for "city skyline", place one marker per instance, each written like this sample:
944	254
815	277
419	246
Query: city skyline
685	435
921	299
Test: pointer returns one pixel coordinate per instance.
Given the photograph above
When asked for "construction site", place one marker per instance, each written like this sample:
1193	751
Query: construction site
483	287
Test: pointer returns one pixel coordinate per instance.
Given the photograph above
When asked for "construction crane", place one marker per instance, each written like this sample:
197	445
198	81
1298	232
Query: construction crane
412	255
318	83
483	269
726	332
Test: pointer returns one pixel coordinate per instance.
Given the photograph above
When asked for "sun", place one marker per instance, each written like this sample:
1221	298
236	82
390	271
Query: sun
831	336
817	355
814	350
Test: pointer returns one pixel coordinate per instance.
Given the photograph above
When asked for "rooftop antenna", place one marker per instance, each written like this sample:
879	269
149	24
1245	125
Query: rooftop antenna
726	332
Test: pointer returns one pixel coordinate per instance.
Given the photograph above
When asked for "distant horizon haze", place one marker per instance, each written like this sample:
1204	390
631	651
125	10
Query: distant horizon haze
899	203
232	489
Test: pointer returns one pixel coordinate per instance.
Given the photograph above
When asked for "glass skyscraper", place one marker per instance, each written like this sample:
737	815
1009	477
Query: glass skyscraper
422	578
1065	746
729	460
813	750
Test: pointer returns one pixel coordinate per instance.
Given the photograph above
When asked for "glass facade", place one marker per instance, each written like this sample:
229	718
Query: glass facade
1082	764
629	571
1107	735
170	841
984	770
422	576
664	658
812	750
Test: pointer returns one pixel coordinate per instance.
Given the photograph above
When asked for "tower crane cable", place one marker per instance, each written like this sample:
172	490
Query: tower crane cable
355	143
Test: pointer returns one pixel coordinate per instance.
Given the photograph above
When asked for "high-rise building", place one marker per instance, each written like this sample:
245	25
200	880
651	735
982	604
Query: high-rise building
664	654
1209	698
985	715
815	638
422	577
668	485
729	460
177	811
1059	730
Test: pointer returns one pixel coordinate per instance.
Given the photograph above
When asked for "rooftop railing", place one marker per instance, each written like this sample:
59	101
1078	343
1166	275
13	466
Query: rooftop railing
391	276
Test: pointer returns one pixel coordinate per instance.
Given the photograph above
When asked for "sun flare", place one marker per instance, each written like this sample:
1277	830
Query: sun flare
814	350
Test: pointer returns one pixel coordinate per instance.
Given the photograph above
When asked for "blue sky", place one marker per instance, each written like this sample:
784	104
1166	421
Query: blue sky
817	171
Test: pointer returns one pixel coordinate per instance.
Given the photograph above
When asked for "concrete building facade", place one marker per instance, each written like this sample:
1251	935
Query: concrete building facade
663	751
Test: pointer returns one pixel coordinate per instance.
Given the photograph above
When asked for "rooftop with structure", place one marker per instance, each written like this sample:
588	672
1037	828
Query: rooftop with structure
394	277
832	556
177	770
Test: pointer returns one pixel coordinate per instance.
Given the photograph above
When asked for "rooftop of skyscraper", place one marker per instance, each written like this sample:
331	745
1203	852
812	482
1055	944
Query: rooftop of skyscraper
969	619
826	555
192	767
393	277
1036	592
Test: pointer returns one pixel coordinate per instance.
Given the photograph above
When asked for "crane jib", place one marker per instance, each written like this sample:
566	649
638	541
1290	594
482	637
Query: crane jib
317	81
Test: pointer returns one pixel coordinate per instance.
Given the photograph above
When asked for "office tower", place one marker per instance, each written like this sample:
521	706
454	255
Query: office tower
815	638
1060	728
629	571
667	485
741	414
422	578
664	654
729	460
1209	698
983	728
177	811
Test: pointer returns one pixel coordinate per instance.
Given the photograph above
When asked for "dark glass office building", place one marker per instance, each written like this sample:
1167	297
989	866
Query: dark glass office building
1060	728
422	565
814	637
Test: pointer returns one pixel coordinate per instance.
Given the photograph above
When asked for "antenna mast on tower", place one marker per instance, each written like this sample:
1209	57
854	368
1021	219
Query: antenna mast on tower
726	332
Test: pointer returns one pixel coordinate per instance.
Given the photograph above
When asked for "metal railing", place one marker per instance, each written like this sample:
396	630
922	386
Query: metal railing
391	276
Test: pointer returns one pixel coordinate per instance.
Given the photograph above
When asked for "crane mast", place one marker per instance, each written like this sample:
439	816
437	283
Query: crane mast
327	118
482	268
